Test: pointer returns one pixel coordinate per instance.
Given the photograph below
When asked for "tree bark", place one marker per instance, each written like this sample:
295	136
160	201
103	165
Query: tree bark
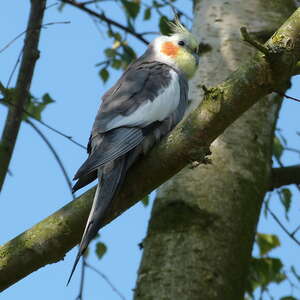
21	93
48	241
204	219
285	176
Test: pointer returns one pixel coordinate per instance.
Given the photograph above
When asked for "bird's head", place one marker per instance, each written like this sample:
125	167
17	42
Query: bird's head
180	49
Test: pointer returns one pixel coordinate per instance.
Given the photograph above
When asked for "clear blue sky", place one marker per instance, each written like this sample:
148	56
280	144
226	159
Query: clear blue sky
66	69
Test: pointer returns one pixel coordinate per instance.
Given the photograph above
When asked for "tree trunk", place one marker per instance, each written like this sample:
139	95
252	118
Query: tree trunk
204	220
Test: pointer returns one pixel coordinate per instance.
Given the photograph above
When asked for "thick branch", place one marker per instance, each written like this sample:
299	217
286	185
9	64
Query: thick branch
48	241
14	117
107	20
285	176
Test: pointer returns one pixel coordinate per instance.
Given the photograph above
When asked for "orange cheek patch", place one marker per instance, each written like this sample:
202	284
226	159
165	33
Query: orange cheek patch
168	48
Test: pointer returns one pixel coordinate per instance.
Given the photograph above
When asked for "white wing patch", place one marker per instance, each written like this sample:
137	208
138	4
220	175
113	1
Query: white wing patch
157	110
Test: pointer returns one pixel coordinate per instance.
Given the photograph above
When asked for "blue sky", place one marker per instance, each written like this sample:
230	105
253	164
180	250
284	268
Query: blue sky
66	70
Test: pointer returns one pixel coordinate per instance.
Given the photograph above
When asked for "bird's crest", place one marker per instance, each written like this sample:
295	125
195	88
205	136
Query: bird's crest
177	27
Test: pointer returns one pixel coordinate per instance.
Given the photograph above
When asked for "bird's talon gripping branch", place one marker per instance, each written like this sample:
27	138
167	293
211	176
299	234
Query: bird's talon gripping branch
254	43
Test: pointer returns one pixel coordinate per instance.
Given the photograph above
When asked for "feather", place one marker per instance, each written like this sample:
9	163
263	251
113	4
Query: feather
110	180
112	145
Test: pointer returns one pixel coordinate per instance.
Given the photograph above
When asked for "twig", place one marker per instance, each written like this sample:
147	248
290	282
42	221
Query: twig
59	132
246	37
29	58
51	5
292	150
3	91
14	68
286	96
55	154
37	28
284	176
282	226
109	21
296	230
105	279
88	2
177	11
82	278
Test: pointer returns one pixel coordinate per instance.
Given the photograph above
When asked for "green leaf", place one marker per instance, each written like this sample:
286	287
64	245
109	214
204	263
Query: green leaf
267	242
109	52
35	106
285	196
47	99
116	64
147	13
128	54
163	25
288	298
264	271
145	200
104	74
277	148
100	249
132	8
116	35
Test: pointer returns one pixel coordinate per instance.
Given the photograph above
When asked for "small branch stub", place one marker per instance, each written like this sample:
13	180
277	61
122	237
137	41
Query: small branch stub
257	45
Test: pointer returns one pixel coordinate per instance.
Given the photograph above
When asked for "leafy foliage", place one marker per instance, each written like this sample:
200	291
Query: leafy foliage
267	242
120	54
132	8
285	196
263	271
34	106
163	25
100	249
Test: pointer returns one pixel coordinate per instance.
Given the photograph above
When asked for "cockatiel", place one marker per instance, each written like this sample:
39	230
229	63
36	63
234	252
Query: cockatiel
143	106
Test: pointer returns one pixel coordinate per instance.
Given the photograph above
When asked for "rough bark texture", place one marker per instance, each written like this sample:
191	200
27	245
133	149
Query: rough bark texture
204	219
49	240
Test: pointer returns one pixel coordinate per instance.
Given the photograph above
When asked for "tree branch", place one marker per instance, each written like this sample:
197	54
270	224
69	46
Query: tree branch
55	154
107	20
285	176
48	241
14	117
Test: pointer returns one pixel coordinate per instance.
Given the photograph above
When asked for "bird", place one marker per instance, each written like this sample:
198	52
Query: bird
145	104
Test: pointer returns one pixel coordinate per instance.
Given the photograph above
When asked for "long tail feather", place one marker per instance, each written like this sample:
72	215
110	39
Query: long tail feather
110	178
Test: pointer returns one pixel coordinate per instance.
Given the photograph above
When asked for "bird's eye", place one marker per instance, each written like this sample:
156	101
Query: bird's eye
181	43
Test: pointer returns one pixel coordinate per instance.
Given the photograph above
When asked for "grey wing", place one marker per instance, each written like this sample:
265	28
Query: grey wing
109	146
139	89
135	94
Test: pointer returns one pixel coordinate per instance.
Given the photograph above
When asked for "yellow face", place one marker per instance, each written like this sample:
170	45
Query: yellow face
183	50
